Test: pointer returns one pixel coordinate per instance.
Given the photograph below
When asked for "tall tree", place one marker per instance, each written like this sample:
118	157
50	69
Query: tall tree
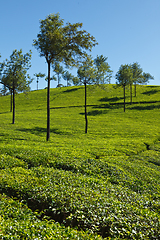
61	43
87	75
104	72
124	77
39	75
15	76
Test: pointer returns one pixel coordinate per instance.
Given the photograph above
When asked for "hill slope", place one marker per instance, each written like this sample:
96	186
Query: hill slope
106	181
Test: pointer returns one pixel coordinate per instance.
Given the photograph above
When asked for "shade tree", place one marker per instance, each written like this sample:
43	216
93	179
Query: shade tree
87	75
59	71
147	77
61	43
39	75
124	77
68	77
104	72
14	74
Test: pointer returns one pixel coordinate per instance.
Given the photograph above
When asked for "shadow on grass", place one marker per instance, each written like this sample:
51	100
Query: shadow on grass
39	131
70	90
96	112
150	92
112	99
146	107
4	112
73	106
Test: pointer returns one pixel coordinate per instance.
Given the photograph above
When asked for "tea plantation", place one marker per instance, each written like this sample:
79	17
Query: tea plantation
101	185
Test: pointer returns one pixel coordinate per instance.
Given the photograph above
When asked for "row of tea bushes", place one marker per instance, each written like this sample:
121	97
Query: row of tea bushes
17	221
86	202
139	173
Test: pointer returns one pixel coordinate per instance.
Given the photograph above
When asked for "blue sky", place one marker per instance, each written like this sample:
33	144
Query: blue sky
127	30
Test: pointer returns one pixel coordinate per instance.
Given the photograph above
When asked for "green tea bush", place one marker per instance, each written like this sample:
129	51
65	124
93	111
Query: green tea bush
86	202
106	181
18	222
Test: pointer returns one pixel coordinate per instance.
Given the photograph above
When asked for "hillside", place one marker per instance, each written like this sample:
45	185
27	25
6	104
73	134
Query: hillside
105	183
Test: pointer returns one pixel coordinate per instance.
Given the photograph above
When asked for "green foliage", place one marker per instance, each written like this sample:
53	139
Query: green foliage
15	71
106	182
124	75
104	73
57	42
18	222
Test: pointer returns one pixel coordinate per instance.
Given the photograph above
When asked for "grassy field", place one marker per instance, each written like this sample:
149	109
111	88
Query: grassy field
103	184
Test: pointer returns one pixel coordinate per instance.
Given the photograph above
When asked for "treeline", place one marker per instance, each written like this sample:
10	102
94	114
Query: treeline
64	45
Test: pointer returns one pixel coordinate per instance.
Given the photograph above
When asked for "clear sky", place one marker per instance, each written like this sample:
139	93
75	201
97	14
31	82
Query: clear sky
127	30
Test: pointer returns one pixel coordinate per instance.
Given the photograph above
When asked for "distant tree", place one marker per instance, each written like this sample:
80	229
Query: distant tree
75	81
14	74
124	77
39	75
147	77
68	77
87	75
104	72
58	69
59	43
137	75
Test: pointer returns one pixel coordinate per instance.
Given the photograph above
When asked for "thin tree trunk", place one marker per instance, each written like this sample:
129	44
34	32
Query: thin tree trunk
131	93
11	101
86	127
124	98
48	104
37	83
58	80
135	89
13	120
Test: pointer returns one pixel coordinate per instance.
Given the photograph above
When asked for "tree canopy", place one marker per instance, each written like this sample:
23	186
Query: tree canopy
104	72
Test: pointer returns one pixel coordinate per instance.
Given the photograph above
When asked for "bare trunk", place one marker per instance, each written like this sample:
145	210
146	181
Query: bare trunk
13	119
86	127
130	93
124	98
11	101
48	104
135	89
37	83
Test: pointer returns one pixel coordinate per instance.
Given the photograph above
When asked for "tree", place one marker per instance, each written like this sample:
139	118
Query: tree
58	69
104	73
75	81
39	75
59	43
147	77
137	75
124	77
14	75
68	77
87	75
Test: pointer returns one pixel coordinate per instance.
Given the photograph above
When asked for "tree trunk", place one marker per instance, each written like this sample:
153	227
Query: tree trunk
37	83
135	89
48	104
86	127
13	119
11	101
124	98
131	93
58	80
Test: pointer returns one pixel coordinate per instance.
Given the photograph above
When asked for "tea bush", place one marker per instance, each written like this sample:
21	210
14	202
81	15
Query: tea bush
106	182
